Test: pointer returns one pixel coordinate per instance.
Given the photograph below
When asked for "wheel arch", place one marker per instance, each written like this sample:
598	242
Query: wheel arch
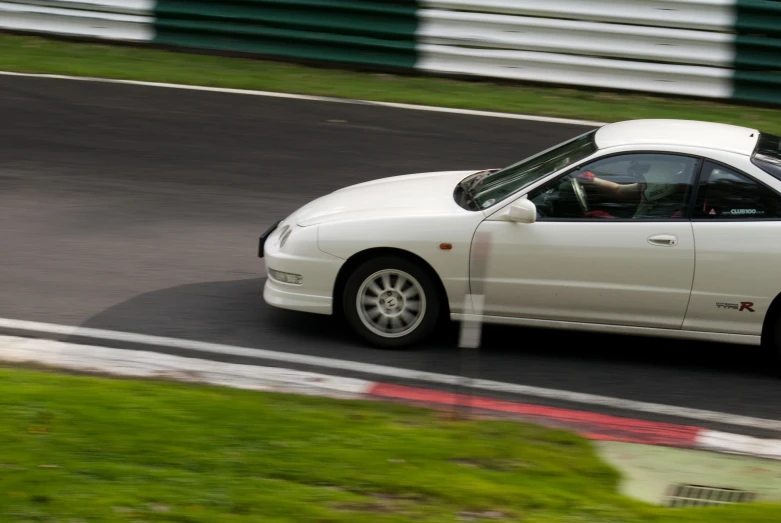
354	261
772	315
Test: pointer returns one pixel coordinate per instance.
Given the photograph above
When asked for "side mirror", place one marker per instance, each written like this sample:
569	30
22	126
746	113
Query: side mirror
522	210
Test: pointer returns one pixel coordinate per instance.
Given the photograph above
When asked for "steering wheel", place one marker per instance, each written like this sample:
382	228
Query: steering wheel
580	194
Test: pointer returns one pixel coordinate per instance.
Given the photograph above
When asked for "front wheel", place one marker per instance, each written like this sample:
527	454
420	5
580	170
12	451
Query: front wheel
391	302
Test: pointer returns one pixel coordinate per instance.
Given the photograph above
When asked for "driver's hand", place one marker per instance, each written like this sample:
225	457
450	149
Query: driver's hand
586	177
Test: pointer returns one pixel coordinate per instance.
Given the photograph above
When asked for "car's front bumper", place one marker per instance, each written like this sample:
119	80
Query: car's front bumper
282	296
299	255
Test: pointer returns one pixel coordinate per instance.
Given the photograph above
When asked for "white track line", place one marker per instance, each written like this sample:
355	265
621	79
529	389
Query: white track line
136	363
738	444
197	347
452	110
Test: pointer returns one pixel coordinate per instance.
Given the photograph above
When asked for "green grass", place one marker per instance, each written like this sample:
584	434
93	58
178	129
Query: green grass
77	449
37	55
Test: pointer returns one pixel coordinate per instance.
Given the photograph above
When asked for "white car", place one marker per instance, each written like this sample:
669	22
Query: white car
667	228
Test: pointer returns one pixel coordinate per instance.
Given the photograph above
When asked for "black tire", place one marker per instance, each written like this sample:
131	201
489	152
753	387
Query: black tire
774	346
418	329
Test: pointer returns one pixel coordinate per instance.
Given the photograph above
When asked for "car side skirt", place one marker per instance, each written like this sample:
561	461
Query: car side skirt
740	339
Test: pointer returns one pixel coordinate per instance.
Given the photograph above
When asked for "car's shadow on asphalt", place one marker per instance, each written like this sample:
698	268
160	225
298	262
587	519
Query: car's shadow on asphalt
234	313
226	312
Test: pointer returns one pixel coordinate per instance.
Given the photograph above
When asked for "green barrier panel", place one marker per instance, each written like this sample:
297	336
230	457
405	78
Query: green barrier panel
759	17
758	53
763	88
367	32
757	76
380	7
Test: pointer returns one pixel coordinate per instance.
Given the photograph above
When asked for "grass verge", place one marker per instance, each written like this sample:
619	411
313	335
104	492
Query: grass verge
79	448
39	55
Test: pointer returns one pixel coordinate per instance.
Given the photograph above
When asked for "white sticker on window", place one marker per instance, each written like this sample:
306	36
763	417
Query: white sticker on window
744	211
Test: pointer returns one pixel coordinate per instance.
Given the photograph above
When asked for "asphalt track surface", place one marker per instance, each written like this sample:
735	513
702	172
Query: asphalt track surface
138	209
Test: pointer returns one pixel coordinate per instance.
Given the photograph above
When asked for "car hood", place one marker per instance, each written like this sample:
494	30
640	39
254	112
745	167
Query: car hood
409	194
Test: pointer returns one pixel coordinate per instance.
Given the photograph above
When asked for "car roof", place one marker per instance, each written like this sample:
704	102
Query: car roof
693	133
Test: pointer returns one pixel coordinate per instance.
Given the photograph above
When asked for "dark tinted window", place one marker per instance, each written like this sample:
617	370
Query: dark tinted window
727	194
767	155
627	186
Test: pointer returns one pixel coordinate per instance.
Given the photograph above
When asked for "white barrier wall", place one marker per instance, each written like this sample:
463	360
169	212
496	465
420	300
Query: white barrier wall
130	20
709	15
635	42
578	70
662	46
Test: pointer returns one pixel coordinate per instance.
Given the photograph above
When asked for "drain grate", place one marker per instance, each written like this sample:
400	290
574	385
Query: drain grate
702	496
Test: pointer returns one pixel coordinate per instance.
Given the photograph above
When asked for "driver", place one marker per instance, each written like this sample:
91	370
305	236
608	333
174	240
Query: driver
653	194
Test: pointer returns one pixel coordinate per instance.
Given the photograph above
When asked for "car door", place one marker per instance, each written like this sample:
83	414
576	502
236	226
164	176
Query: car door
737	229
623	254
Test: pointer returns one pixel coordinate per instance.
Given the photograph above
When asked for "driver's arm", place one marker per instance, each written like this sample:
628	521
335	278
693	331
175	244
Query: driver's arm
610	188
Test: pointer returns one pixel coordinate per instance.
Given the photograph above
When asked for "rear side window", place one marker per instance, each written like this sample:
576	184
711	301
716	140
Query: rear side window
767	155
724	193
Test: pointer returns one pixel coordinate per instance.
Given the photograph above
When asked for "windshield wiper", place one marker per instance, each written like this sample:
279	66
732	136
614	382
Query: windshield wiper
466	188
472	182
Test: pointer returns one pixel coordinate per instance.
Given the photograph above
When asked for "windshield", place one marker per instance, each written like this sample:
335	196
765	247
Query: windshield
502	183
767	155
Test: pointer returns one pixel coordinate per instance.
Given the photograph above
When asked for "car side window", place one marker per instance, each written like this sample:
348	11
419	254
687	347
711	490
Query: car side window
725	193
647	186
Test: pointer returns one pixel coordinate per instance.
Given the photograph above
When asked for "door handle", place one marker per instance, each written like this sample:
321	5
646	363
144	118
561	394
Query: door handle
667	240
